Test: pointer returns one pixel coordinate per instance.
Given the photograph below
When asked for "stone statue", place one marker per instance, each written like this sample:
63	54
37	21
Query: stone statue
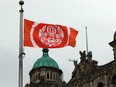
89	55
83	56
74	61
76	68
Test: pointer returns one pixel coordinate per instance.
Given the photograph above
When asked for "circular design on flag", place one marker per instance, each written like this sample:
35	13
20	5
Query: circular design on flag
51	35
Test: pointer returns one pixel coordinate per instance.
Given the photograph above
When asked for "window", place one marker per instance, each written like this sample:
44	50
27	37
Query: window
38	75
114	79
47	75
100	84
54	76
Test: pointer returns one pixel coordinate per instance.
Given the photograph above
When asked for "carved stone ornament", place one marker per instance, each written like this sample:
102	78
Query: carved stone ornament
27	85
115	35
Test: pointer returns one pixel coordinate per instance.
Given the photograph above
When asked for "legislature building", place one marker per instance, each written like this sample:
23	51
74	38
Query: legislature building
87	73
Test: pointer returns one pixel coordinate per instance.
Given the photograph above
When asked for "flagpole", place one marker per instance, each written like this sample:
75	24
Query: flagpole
86	40
21	53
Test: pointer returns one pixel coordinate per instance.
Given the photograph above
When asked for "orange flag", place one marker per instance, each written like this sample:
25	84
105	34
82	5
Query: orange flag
48	35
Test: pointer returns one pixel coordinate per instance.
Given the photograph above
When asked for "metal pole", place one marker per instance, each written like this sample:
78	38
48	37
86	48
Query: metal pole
86	40
21	53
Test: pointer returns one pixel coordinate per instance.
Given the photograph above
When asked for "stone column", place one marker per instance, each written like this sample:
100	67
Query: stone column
105	81
91	84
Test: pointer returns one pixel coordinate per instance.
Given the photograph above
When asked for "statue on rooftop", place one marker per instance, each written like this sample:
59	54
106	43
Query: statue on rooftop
89	58
76	68
83	56
89	55
74	61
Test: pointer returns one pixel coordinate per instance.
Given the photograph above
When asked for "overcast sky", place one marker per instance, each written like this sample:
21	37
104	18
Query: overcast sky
98	15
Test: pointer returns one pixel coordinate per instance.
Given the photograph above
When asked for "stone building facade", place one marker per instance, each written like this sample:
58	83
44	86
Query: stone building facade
86	73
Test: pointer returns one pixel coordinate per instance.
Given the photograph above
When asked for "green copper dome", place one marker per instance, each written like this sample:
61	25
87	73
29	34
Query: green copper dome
45	61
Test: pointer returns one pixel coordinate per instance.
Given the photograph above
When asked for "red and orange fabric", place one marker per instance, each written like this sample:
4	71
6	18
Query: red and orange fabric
48	35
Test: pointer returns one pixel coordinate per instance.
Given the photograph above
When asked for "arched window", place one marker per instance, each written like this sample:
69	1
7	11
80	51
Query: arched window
38	75
114	79
100	84
54	76
48	75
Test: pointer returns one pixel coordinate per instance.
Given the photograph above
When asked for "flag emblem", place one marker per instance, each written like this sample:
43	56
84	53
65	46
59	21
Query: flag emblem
48	35
51	35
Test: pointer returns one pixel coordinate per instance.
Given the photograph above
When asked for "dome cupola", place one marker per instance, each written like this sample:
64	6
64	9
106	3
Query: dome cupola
45	61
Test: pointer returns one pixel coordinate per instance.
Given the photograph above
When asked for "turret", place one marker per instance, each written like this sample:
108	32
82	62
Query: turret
45	72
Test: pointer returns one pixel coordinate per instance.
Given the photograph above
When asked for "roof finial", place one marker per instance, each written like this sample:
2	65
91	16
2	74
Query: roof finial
45	50
21	2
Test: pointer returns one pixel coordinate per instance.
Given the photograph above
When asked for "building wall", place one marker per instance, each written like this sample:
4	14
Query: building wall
88	74
45	77
105	77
